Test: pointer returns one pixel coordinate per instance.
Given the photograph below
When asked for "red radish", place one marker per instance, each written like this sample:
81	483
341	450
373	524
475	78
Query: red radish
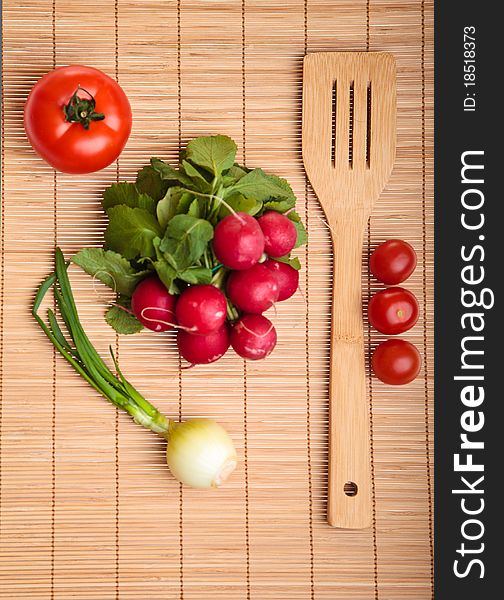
287	278
253	290
253	337
201	309
153	305
279	233
203	349
238	241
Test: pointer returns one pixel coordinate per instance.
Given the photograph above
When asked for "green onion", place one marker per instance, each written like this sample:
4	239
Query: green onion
200	452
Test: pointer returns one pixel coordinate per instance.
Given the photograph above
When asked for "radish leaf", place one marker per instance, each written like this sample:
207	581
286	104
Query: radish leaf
280	206
292	262
234	174
168	173
167	274
196	275
110	268
240	203
149	182
198	179
185	240
127	193
302	236
257	184
167	206
131	230
215	153
122	321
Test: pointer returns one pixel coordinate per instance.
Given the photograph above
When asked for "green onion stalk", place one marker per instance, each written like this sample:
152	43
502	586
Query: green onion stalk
199	452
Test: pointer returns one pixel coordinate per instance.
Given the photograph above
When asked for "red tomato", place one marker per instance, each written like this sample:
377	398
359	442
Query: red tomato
77	119
393	311
393	262
396	362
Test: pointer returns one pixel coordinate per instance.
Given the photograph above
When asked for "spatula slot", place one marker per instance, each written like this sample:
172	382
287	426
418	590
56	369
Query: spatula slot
368	126
351	126
333	121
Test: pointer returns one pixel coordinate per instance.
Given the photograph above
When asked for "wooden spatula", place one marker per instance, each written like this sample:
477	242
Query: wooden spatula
349	139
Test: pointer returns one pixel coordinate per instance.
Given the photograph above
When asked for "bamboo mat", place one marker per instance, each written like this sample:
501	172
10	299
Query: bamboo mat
88	509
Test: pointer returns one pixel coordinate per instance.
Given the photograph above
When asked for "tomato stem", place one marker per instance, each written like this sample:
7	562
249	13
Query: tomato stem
82	110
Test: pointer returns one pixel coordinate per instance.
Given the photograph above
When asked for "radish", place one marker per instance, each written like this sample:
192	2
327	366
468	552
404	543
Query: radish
253	290
153	305
201	309
287	278
203	349
279	233
238	241
253	337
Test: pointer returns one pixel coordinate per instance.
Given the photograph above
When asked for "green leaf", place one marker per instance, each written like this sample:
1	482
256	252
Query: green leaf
184	203
196	208
281	184
167	206
168	173
294	216
155	242
185	240
127	193
240	204
198	179
149	182
196	275
280	206
237	172
119	193
146	202
122	321
257	184
110	268
167	274
233	174
131	230
293	262
302	236
214	153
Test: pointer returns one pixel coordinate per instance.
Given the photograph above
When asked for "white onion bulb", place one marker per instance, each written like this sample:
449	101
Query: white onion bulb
200	453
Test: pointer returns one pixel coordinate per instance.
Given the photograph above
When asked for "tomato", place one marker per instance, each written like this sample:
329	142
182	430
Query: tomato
396	362
393	311
393	262
77	119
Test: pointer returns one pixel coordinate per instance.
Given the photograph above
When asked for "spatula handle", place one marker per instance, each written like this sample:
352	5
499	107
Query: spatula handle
349	486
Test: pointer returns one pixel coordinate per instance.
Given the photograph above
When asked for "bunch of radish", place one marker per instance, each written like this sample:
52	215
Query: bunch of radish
203	248
211	317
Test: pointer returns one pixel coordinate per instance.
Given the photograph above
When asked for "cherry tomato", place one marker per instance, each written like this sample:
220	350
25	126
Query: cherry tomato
396	362
393	311
393	262
77	119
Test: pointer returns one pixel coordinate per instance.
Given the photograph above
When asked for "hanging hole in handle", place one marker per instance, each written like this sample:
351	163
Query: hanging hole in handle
350	488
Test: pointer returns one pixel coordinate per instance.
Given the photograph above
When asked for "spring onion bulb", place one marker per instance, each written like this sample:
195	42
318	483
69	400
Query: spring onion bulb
200	452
